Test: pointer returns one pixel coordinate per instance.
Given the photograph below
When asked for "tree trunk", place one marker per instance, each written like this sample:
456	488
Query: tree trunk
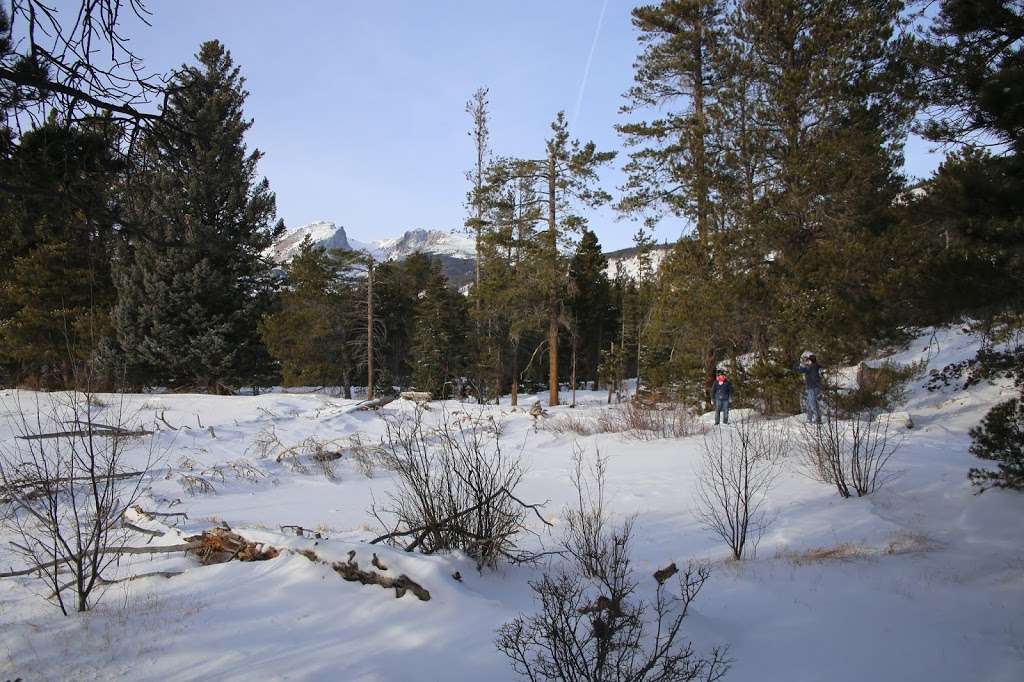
514	388
552	285
369	328
574	353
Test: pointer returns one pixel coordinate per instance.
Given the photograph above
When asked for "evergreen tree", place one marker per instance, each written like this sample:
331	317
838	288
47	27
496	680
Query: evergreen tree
566	179
674	162
590	305
397	287
191	294
55	285
833	112
439	336
965	225
312	332
974	60
485	368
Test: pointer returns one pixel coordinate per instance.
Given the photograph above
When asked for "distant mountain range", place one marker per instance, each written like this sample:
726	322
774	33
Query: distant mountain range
455	252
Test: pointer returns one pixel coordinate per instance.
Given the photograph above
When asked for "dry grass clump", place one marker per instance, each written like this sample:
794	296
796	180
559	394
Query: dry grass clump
903	542
846	551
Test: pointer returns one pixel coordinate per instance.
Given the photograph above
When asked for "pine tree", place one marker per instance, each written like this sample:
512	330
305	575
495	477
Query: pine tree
674	162
312	334
397	286
55	285
566	179
191	294
511	304
973	56
590	305
830	80
439	337
965	227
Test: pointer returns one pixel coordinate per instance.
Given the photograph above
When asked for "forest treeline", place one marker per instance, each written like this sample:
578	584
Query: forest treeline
770	131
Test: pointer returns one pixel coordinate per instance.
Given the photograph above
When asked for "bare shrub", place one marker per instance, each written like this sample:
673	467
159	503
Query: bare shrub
591	625
651	422
850	451
739	467
365	455
456	489
196	485
215	473
67	482
632	419
265	444
572	422
311	455
244	470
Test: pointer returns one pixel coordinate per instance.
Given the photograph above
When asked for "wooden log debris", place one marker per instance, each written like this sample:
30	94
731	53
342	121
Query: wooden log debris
349	570
219	546
87	433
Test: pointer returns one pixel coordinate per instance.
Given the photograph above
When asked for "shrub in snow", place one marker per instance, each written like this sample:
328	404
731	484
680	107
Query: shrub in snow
881	388
850	450
739	466
592	625
456	488
66	486
1000	438
633	419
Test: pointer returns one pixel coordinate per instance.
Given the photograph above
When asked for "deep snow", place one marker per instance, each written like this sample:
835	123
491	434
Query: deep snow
931	589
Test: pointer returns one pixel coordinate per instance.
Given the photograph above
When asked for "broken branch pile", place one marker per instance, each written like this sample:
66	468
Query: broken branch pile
219	545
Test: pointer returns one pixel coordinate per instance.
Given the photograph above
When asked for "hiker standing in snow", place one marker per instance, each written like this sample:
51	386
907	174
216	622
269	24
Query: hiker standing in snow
721	394
812	387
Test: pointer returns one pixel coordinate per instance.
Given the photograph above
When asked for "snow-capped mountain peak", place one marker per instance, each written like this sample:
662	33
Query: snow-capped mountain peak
322	232
434	242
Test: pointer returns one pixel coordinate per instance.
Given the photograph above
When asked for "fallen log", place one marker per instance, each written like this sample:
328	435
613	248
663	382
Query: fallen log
93	425
349	570
152	574
220	545
98	433
103	581
153	514
139	529
157	549
302	532
73	479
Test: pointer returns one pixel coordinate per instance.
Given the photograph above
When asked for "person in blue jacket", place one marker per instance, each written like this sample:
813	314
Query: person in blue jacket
721	394
812	387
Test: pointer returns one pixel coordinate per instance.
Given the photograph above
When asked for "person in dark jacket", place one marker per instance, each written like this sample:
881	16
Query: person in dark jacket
812	388
721	394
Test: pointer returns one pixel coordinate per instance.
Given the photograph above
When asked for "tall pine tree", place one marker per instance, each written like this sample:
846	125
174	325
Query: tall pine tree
192	292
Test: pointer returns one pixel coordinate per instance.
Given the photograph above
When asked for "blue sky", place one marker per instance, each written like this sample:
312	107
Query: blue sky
358	106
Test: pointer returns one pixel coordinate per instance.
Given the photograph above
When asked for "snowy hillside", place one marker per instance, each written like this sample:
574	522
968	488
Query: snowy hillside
921	580
627	261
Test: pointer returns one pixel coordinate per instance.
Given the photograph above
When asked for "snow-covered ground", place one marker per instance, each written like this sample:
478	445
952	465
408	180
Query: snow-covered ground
929	584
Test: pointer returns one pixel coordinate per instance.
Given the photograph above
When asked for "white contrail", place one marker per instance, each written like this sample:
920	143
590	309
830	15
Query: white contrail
590	58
